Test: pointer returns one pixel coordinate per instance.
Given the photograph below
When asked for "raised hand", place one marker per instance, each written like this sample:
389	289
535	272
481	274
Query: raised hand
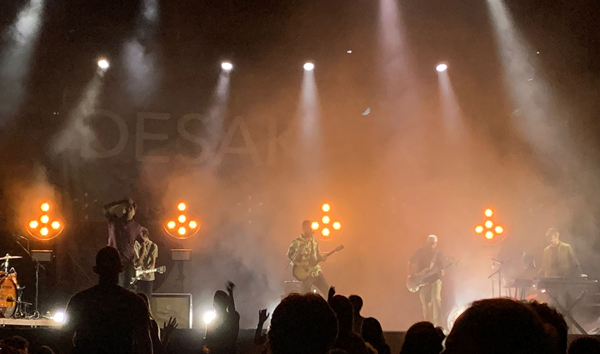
230	287
262	316
331	293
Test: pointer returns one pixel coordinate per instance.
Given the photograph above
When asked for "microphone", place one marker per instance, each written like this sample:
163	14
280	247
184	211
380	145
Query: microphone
21	237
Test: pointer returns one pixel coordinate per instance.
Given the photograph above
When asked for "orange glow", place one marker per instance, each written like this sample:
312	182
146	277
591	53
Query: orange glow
181	218
181	206
325	219
326	207
182	231
499	229
44	219
171	225
479	229
488	212
325	232
33	224
337	225
44	231
55	225
193	224
314	225
489	224
45	207
489	235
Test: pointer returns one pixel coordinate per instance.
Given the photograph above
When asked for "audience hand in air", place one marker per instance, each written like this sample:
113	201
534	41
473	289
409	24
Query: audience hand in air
262	316
230	287
331	293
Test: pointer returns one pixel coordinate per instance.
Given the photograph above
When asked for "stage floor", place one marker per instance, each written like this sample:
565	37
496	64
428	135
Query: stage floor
22	322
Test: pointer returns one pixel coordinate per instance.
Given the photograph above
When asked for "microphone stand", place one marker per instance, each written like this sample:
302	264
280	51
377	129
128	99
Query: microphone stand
36	313
499	272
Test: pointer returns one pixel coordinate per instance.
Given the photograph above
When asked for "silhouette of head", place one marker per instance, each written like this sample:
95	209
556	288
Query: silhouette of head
14	345
497	326
302	324
221	301
345	315
372	332
307	227
45	350
585	345
357	303
422	338
108	263
554	324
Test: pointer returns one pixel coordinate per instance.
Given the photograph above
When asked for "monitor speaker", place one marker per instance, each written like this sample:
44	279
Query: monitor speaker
165	306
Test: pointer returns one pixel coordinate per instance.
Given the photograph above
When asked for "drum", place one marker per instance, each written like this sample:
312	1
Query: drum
8	295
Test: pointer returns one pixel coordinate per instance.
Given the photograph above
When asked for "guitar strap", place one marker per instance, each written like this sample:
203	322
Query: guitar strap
433	260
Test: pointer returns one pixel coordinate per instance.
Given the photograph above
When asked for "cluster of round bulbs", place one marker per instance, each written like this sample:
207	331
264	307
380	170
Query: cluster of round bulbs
182	227
326	220
491	230
43	227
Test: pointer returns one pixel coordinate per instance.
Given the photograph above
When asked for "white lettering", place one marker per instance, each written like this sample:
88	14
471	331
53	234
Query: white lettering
249	147
141	135
88	152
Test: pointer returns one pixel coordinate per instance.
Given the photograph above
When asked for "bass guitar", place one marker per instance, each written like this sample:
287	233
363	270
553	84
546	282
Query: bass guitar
139	272
416	281
301	271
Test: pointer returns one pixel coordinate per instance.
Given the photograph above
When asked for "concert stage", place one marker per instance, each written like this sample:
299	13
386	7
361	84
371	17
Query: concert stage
184	341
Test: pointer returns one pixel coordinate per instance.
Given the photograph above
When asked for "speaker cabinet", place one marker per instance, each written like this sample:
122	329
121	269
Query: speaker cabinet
166	305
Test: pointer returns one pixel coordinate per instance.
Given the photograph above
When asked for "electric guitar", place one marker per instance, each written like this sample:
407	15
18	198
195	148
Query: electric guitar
301	271
139	272
415	281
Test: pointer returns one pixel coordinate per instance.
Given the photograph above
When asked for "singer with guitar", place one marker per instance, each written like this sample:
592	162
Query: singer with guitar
304	254
145	260
427	265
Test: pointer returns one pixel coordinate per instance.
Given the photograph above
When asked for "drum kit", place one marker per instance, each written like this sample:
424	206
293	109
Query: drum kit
11	293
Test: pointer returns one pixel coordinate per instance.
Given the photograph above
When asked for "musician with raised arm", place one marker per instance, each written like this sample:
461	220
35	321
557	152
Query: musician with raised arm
427	264
559	259
304	252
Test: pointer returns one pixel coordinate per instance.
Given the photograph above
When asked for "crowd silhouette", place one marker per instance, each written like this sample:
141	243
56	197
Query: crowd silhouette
107	319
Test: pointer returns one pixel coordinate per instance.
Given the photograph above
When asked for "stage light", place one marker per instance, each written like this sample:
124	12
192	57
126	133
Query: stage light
441	67
499	230
489	235
349	51
309	66
488	213
209	316
325	232
337	225
314	225
326	207
181	206
227	66
33	224
44	231
171	225
55	225
59	317
45	207
479	229
489	224
181	218
182	225
103	63
44	219
326	219
193	224
182	231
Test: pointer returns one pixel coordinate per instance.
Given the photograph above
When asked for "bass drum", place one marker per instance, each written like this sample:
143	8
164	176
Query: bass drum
8	295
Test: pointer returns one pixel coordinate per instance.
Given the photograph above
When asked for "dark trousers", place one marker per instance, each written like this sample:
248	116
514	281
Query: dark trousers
126	275
319	282
145	287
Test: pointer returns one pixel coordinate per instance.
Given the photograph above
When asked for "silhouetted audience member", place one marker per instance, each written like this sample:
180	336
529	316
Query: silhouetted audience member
302	324
222	333
497	326
585	345
357	304
45	350
154	329
14	345
107	318
259	337
372	333
423	338
347	340
554	324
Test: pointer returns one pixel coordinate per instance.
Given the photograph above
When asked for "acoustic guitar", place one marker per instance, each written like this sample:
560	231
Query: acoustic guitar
416	281
301	271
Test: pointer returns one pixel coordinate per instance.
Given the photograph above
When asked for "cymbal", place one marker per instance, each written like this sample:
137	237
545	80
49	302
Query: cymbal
8	256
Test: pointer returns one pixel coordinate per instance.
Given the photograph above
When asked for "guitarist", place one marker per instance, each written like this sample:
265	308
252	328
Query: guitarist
304	251
145	259
428	259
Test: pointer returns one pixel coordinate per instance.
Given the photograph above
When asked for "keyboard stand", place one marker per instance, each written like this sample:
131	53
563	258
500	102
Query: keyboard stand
567	313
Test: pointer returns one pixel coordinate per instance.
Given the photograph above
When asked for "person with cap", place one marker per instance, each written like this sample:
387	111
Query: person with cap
123	231
428	262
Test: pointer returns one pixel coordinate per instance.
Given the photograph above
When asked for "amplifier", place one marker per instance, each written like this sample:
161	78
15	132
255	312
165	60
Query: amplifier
166	305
